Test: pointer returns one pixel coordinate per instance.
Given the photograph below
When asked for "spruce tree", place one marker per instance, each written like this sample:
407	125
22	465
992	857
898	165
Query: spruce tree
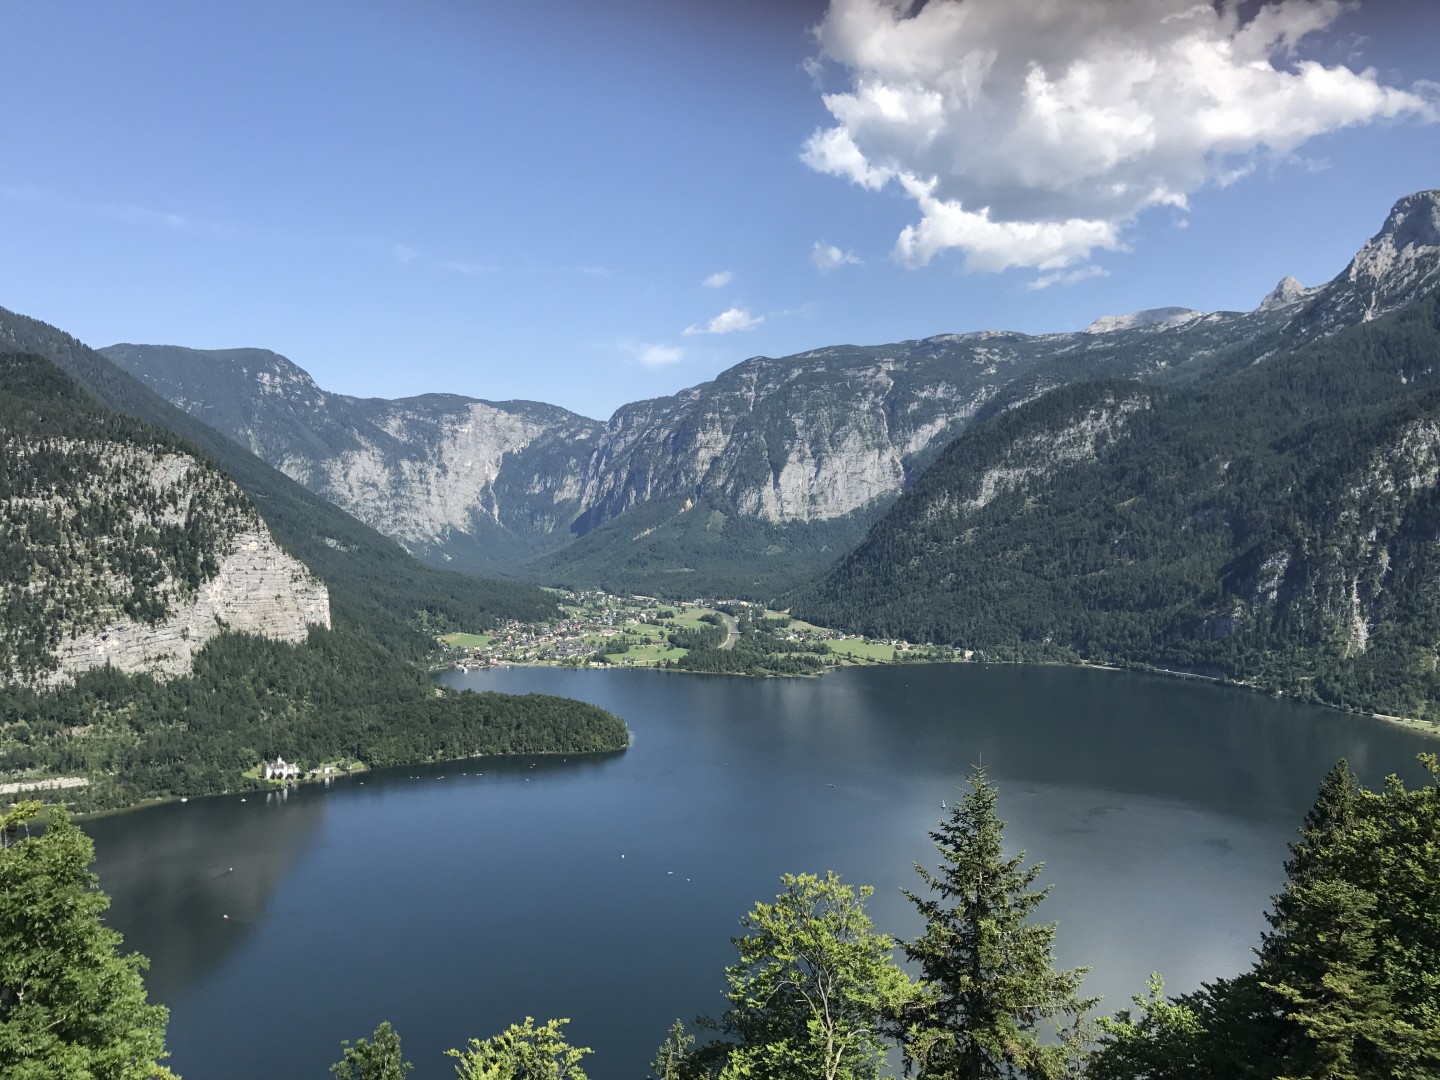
1352	957
988	972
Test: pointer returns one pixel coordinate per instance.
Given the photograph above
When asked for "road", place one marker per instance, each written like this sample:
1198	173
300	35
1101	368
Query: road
732	630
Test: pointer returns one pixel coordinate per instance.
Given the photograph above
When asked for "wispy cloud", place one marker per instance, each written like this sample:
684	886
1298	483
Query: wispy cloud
654	354
727	322
469	269
719	279
145	217
828	257
1067	277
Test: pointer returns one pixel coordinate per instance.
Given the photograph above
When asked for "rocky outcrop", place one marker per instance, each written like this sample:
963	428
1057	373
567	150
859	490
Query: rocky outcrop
257	590
119	546
1153	317
1397	266
1289	292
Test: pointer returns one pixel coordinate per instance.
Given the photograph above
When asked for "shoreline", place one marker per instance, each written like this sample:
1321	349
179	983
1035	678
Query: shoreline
1417	726
161	800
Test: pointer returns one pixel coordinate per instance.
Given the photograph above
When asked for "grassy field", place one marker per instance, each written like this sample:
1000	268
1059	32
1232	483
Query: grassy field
862	650
466	641
649	654
690	618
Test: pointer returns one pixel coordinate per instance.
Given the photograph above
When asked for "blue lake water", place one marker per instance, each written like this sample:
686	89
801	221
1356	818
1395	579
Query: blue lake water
455	899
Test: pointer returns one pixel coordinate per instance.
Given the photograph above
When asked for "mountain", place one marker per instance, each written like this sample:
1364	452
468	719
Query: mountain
796	456
434	472
373	584
789	460
1276	523
155	639
119	546
1397	266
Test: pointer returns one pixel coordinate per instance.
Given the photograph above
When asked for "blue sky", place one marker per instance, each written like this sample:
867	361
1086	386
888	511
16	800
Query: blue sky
588	204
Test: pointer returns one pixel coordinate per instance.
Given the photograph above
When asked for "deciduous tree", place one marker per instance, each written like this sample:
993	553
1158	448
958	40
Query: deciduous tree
522	1052
71	1004
811	987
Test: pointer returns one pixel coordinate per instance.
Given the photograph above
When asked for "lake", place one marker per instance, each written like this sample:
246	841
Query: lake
455	899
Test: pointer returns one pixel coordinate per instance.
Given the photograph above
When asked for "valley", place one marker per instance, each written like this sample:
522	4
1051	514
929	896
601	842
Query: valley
600	629
842	540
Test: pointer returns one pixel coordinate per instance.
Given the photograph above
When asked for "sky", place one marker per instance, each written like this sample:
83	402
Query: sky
590	204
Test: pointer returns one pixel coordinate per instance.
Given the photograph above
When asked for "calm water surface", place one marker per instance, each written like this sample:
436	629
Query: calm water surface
454	900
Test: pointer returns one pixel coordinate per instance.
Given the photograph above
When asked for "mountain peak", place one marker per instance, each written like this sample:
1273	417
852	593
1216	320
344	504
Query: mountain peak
1156	318
1396	266
1410	236
1288	292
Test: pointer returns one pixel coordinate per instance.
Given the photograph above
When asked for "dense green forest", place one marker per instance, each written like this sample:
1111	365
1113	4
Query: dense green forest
82	541
1343	986
374	585
678	549
1277	525
338	697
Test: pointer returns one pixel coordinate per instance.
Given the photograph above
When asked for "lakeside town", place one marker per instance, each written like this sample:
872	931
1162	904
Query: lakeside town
600	628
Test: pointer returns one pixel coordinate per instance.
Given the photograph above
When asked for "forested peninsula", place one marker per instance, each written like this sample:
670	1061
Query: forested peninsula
126	557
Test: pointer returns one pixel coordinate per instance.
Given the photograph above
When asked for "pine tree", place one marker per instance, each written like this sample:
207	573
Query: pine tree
1352	954
988	974
673	1061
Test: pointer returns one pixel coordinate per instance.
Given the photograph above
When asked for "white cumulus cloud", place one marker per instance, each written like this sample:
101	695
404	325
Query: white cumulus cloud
727	322
719	279
829	257
1031	133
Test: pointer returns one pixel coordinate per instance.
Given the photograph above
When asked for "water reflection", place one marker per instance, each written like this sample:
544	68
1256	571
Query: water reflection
456	899
191	886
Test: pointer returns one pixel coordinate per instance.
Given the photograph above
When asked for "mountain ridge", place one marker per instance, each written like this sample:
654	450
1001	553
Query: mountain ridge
829	435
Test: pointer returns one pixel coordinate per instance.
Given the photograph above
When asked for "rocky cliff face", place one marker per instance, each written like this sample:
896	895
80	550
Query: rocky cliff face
257	589
819	437
119	546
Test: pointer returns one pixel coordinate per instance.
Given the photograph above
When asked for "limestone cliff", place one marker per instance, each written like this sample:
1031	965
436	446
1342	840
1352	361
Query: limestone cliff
257	589
118	545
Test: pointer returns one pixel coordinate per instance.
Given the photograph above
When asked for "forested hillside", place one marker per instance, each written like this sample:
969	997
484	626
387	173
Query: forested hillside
1279	525
108	525
373	583
102	517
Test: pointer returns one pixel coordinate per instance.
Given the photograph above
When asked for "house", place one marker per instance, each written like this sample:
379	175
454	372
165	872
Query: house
279	769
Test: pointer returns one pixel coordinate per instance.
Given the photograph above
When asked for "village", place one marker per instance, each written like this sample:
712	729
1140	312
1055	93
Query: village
638	631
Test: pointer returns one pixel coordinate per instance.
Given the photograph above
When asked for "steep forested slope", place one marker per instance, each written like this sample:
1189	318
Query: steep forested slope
372	582
1280	524
119	546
